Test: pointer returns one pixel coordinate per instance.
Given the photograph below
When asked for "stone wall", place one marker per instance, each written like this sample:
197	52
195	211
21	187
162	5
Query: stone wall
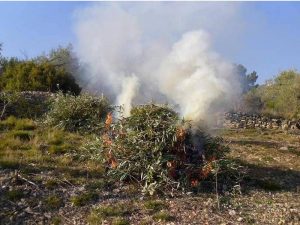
242	120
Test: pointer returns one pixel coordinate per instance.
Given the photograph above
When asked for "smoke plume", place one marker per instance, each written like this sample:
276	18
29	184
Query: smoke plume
135	53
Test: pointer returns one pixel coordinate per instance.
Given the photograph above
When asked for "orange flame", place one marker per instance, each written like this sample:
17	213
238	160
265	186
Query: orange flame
180	134
106	140
108	120
112	160
206	170
194	182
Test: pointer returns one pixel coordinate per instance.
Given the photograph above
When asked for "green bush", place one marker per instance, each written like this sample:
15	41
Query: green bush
279	97
33	76
84	113
15	104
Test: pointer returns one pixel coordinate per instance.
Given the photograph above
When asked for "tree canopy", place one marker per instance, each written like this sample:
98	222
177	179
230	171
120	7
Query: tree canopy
45	73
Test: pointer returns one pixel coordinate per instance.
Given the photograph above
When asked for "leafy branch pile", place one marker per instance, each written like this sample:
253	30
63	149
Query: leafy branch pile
158	150
83	113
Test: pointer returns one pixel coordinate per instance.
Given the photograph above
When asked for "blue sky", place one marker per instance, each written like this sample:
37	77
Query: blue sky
269	43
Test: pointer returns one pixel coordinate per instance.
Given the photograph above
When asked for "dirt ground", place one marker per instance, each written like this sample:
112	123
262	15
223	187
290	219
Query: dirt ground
43	193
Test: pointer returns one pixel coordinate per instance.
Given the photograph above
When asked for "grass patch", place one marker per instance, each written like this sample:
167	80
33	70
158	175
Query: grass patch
59	149
15	195
83	199
155	205
51	183
56	220
98	184
23	135
17	124
53	202
114	212
163	216
120	221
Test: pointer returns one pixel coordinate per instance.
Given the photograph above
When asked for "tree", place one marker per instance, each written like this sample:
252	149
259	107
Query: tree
64	57
278	97
247	80
33	76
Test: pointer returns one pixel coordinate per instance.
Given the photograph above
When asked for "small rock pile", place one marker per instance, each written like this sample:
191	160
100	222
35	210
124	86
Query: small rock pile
246	121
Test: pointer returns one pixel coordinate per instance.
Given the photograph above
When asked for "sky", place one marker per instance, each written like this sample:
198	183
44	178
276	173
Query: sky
263	36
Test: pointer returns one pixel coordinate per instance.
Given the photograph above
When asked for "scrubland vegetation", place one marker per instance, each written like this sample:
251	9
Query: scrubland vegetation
69	160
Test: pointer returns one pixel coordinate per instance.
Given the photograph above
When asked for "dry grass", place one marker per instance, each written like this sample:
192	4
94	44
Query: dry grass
269	194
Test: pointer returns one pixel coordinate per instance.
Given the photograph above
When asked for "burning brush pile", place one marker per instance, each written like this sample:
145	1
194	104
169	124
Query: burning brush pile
159	151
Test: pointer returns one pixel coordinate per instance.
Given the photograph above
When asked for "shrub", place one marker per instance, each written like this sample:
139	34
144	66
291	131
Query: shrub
33	76
278	97
158	150
84	113
18	105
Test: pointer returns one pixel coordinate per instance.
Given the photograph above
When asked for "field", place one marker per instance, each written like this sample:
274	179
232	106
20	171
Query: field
47	178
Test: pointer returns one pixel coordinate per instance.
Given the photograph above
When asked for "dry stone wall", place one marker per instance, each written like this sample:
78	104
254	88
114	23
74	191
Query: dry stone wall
242	120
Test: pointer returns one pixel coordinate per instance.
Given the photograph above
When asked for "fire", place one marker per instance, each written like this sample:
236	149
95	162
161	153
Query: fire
180	134
206	170
194	182
112	160
108	120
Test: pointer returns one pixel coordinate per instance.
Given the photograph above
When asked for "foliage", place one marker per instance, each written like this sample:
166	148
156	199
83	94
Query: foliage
162	216
83	199
84	113
64	58
53	202
247	80
32	76
115	212
15	104
158	150
252	102
278	97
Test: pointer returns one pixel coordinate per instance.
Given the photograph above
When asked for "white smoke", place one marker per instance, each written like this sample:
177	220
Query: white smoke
142	52
129	89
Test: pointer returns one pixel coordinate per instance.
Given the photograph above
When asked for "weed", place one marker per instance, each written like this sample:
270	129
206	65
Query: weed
18	124
163	216
53	202
155	205
83	199
15	194
22	135
120	221
59	149
101	213
56	220
99	184
51	183
8	123
25	124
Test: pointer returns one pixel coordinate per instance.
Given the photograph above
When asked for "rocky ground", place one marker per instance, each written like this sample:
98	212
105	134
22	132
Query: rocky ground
52	189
